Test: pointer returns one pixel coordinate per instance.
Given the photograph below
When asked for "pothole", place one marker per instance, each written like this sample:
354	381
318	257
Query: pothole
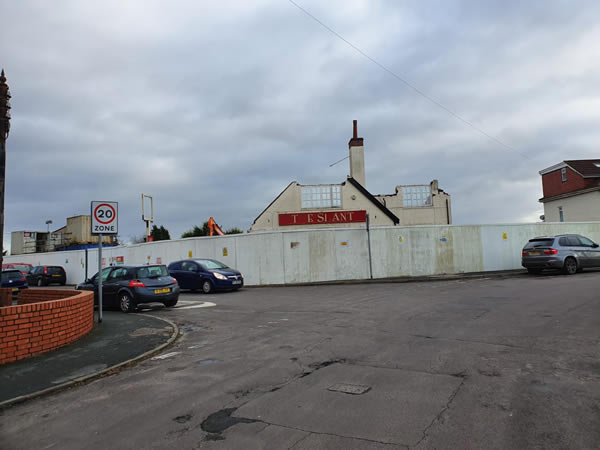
219	421
352	389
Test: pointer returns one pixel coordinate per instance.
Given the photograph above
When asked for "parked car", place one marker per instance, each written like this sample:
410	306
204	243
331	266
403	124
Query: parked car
13	279
45	275
126	287
205	274
570	253
23	267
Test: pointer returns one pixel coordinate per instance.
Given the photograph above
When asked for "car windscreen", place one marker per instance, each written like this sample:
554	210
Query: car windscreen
538	243
211	264
55	270
11	275
152	272
22	267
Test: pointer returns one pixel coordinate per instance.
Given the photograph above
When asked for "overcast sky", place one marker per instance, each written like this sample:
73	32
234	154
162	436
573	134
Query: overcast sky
215	107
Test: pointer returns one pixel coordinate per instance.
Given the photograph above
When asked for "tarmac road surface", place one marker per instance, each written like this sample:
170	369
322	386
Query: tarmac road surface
489	363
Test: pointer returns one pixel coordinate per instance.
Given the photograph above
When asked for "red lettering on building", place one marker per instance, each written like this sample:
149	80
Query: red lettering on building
286	219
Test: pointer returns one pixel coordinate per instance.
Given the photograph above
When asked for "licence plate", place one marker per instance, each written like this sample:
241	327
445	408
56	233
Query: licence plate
15	289
534	253
236	282
162	291
56	276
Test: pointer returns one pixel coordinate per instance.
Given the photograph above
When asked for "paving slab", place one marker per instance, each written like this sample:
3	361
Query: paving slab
119	338
399	406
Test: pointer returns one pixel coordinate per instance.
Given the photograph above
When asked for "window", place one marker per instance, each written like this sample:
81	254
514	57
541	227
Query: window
211	264
563	175
322	196
586	242
561	216
416	196
105	273
118	274
188	266
152	272
539	243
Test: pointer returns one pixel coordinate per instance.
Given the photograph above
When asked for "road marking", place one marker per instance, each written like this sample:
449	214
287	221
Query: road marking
166	355
200	305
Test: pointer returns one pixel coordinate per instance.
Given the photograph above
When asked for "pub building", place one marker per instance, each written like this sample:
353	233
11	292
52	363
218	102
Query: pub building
347	204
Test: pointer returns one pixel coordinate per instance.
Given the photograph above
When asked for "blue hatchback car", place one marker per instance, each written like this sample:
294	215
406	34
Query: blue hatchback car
206	274
14	280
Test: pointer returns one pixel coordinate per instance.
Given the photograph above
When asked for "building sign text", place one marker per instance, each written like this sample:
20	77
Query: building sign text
323	217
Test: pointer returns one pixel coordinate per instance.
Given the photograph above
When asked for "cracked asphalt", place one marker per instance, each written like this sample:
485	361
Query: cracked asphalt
488	363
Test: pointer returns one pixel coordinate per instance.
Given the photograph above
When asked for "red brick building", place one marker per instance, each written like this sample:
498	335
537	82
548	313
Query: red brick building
572	191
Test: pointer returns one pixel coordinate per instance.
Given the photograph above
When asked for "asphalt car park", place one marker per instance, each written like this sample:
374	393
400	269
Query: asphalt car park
484	363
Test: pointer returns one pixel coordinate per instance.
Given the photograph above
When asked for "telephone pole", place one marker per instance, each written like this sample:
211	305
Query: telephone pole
4	129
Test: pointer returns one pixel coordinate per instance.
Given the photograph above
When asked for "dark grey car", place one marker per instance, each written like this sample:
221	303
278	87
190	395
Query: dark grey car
567	252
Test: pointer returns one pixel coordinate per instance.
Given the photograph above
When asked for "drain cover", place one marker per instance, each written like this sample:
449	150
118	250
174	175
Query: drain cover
354	389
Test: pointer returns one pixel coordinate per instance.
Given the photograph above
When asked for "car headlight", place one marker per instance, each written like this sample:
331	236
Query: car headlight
219	276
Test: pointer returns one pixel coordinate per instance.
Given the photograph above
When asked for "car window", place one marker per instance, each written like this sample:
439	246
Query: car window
573	241
539	242
118	274
586	242
22	267
55	270
11	275
211	264
152	272
188	266
563	242
105	273
175	266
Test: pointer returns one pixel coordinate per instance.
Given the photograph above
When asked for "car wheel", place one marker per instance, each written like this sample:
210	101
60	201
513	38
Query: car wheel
40	282
534	271
126	302
570	266
207	287
170	303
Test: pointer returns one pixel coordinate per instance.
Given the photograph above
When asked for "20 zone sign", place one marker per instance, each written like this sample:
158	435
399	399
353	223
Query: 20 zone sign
105	217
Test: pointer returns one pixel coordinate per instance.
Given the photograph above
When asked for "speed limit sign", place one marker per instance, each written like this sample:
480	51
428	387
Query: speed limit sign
105	217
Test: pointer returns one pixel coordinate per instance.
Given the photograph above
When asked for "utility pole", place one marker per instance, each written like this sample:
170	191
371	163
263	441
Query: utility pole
4	129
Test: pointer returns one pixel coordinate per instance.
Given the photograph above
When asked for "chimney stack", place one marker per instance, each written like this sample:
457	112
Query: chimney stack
357	156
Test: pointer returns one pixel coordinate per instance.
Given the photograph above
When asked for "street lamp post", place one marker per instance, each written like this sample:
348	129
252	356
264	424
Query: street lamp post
4	129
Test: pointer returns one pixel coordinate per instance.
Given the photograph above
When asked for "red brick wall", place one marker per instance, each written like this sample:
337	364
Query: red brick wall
553	185
35	328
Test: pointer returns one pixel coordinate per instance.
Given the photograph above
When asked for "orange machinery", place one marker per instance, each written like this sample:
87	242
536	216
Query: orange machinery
213	228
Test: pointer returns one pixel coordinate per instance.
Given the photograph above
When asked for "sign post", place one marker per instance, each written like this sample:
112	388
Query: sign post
105	220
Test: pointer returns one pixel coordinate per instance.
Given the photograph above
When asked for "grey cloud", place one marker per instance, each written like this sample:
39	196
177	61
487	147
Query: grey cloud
214	109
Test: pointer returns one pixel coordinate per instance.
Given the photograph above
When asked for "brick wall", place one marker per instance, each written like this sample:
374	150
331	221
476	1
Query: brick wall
552	183
31	329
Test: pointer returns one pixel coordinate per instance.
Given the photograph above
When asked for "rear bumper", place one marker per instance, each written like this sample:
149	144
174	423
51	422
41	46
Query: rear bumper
147	295
542	263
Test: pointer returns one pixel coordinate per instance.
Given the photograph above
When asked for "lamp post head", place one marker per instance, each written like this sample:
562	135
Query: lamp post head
4	107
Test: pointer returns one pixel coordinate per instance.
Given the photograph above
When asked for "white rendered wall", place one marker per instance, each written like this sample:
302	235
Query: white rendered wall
282	257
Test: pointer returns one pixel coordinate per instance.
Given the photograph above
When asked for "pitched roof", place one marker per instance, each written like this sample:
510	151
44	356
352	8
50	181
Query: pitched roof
586	167
373	200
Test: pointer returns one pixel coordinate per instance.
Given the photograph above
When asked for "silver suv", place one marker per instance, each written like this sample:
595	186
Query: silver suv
567	252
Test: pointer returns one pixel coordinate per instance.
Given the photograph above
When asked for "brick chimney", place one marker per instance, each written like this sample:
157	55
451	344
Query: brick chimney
357	156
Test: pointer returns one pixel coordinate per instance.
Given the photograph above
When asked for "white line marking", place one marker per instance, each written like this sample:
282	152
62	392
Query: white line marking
201	305
166	355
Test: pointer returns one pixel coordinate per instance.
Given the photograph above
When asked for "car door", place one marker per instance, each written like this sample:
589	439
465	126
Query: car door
579	250
592	251
187	275
111	287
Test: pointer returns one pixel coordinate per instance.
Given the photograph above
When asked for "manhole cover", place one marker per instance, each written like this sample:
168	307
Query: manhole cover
354	389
